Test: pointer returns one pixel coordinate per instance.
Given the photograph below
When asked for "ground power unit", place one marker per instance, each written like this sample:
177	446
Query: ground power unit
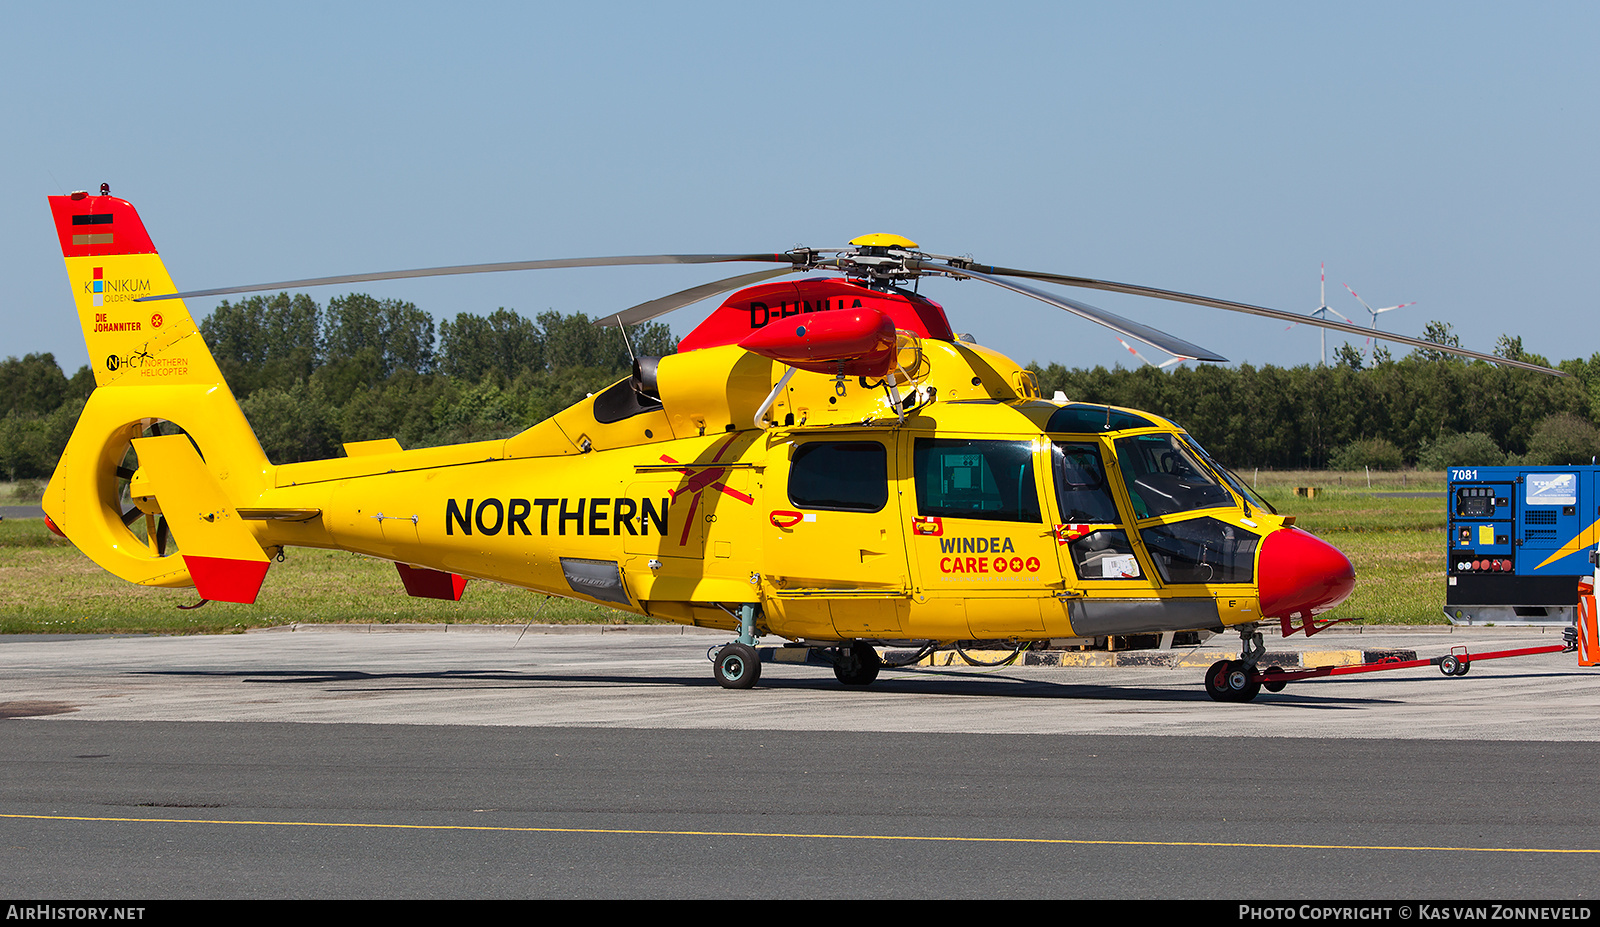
1520	544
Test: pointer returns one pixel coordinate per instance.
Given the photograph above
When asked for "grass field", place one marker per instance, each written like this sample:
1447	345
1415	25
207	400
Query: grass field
46	585
1397	544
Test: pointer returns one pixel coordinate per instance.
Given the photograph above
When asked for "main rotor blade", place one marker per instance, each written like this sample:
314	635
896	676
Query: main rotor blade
1151	336
644	312
1174	296
479	269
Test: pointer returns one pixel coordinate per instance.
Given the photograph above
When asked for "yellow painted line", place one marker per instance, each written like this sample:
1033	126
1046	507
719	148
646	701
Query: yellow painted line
1331	657
1087	658
736	833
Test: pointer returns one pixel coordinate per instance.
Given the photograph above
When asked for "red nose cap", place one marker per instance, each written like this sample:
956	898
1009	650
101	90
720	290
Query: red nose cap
1301	573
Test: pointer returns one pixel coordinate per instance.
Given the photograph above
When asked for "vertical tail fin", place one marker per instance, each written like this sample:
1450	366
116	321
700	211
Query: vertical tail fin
110	264
154	377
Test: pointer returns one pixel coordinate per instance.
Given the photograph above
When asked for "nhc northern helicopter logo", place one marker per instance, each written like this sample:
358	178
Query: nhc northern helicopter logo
135	359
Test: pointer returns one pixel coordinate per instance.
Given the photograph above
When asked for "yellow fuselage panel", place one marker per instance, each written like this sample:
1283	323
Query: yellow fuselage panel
514	520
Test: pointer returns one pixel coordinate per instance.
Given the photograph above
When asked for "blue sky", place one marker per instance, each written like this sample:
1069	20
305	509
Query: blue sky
1437	152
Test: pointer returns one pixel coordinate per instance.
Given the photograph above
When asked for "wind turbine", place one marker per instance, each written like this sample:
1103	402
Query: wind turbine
1322	310
1176	358
1375	311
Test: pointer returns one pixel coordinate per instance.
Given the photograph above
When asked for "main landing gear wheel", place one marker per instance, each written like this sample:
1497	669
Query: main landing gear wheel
737	666
859	665
1232	681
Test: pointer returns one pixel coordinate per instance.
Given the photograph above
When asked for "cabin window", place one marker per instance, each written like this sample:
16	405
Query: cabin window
1164	477
840	476
958	478
1082	493
1203	550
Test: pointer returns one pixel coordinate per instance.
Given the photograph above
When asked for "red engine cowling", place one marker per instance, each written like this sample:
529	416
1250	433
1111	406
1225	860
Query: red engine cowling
855	342
785	303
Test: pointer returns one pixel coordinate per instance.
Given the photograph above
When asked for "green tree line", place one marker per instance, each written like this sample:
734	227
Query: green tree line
311	377
1430	408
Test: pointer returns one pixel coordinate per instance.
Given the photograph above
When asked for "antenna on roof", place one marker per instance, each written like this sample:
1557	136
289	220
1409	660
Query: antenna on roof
624	329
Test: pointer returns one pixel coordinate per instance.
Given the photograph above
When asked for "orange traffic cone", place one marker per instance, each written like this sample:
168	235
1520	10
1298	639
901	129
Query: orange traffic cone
1588	636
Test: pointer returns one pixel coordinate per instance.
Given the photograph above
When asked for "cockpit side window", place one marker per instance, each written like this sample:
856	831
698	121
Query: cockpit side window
1164	477
961	478
1104	554
1082	492
1202	550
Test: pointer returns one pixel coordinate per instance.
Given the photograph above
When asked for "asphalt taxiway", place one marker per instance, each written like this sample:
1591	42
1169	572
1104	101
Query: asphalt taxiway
473	762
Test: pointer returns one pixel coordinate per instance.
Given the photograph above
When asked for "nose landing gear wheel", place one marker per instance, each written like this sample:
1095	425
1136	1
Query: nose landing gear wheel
1232	681
737	666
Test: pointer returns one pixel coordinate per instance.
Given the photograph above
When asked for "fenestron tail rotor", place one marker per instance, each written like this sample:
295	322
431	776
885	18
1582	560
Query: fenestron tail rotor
140	511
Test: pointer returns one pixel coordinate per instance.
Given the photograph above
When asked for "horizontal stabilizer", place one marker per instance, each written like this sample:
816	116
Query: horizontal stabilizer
223	558
290	514
223	580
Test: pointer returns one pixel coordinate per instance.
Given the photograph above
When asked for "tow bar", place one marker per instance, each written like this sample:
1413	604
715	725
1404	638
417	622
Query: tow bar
1458	662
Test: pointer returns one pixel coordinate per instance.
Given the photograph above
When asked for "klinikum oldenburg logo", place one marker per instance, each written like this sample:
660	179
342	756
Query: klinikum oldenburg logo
118	290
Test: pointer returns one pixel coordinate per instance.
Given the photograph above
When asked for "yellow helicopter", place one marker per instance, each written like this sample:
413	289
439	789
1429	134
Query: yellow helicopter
824	460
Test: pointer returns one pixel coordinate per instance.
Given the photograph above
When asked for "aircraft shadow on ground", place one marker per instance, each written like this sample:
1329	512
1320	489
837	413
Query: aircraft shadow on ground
945	682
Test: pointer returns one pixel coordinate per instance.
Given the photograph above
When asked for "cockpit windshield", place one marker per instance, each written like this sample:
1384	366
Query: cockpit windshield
1231	478
1165	477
